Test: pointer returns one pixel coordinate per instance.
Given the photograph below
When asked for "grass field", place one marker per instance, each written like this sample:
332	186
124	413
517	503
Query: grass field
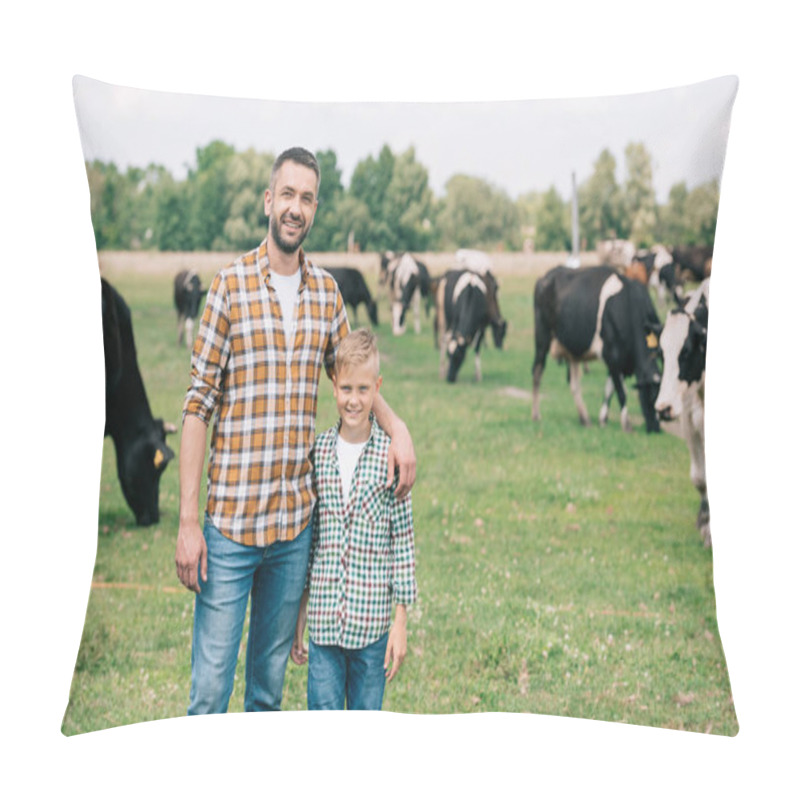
559	568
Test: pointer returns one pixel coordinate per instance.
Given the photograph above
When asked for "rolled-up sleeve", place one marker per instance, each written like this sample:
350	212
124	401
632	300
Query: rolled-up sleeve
340	327
404	582
210	353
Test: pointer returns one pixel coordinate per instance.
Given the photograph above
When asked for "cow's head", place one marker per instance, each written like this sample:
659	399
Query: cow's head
456	349
140	465
499	328
683	343
648	374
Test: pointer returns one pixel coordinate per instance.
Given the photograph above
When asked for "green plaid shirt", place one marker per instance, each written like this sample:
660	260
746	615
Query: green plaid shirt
362	549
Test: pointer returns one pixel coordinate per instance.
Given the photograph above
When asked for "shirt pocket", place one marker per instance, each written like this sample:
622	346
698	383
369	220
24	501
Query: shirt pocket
375	506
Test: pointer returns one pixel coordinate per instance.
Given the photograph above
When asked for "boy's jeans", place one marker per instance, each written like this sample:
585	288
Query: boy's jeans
274	576
337	675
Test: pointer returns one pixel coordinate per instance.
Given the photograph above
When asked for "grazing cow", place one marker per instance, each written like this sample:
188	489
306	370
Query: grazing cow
188	293
694	261
139	440
594	312
616	253
408	281
464	308
354	291
682	394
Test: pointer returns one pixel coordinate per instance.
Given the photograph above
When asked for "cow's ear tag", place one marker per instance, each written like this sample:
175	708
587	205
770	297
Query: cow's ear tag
652	341
159	459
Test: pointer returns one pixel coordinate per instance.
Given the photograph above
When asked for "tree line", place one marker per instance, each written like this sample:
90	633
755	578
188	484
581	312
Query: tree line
388	205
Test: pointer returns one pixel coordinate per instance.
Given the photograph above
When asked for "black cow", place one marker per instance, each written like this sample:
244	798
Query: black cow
408	281
139	440
693	261
188	294
584	314
682	394
354	291
466	303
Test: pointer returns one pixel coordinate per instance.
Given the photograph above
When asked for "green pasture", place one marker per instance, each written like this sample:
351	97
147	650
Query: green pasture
559	568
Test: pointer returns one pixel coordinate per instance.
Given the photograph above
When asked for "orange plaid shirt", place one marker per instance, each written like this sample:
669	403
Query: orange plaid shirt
260	478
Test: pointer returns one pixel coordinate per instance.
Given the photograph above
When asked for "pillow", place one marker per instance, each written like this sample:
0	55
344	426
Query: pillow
560	566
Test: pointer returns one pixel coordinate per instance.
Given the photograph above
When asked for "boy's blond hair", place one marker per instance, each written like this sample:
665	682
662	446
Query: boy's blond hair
357	348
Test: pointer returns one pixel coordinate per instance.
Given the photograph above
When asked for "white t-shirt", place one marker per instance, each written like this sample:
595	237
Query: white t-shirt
348	458
286	286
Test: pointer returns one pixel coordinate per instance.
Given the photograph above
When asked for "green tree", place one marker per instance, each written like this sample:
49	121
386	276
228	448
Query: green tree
600	203
476	214
209	196
408	204
171	230
245	180
640	197
553	223
326	221
353	218
702	206
369	183
672	221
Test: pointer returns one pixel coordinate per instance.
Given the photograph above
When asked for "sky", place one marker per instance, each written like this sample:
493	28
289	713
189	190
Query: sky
516	145
420	51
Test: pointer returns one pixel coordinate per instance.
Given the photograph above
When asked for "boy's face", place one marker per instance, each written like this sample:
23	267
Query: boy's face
354	388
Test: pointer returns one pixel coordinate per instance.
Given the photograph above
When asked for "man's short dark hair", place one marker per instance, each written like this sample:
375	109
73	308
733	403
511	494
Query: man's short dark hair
299	155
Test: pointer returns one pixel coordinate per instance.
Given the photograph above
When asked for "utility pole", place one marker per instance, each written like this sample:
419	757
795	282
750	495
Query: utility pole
574	259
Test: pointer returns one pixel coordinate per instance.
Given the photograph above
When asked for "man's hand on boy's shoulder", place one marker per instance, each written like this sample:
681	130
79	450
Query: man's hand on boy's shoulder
402	460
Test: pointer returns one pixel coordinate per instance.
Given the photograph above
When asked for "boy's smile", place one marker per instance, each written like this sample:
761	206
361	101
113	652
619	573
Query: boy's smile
354	389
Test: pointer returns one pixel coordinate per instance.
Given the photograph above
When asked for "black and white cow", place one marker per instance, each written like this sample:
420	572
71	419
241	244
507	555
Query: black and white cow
187	294
466	303
139	440
660	271
693	261
408	281
354	291
682	394
590	313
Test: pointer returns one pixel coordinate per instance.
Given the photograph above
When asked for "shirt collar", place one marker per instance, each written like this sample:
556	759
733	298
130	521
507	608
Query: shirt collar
263	263
373	430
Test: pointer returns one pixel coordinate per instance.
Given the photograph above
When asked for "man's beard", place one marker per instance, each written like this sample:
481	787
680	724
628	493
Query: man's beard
286	247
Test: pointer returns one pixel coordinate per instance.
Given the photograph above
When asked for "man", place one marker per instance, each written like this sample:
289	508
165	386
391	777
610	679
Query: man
272	321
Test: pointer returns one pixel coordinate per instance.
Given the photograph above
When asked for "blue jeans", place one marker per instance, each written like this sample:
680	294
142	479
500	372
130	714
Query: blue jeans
274	578
337	676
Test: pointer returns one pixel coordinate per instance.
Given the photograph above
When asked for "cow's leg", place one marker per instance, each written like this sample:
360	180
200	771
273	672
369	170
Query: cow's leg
608	391
575	368
541	342
181	328
416	301
538	369
619	387
478	342
692	421
189	329
397	314
443	353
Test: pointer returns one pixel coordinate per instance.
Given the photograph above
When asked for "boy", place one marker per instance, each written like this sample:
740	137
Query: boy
362	550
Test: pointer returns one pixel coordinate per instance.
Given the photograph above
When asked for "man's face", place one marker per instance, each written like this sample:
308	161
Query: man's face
355	388
290	203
